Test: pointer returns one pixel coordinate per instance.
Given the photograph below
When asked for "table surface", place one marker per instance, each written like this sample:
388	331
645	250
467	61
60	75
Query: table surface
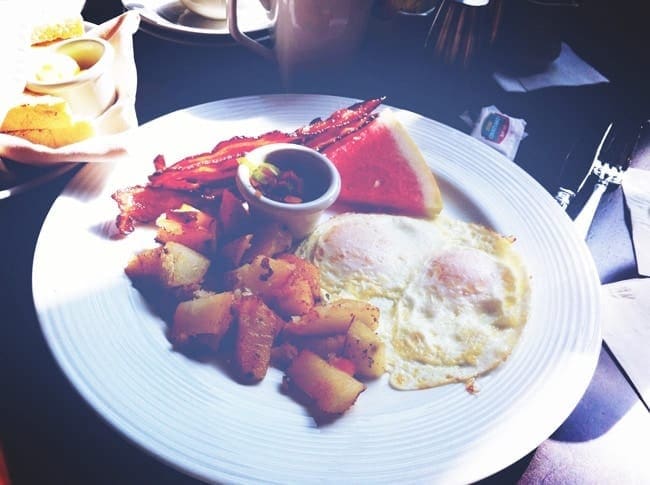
49	434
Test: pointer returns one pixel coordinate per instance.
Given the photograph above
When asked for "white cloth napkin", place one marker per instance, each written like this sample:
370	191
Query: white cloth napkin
14	36
567	70
111	127
636	188
626	329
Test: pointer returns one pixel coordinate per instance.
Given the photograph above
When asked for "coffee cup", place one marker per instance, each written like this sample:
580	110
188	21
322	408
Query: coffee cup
307	33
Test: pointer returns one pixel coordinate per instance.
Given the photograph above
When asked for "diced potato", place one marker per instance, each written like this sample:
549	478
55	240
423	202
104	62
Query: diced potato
306	271
342	363
319	322
205	319
294	298
332	390
233	251
269	239
366	350
232	214
188	226
363	311
330	318
182	266
257	327
277	281
145	264
283	354
325	346
263	276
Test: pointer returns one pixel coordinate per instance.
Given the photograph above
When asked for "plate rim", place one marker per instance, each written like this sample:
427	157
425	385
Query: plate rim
92	398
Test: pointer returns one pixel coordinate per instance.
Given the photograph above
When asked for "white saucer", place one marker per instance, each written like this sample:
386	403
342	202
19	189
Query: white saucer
170	19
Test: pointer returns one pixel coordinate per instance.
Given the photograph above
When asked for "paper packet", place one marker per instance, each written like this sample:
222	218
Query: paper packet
500	131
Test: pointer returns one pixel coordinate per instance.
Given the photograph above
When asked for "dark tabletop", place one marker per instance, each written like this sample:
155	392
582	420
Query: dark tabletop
50	435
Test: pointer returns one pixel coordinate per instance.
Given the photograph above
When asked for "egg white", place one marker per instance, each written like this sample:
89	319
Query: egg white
367	255
453	295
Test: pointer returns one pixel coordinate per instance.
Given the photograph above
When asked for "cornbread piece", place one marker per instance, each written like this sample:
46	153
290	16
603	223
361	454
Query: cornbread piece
58	137
60	29
45	120
37	112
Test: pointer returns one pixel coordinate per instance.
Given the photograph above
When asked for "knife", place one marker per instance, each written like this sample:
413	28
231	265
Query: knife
610	162
614	148
567	192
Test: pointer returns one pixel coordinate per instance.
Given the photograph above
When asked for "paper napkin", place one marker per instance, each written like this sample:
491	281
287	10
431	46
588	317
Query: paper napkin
636	187
14	37
626	329
568	69
108	142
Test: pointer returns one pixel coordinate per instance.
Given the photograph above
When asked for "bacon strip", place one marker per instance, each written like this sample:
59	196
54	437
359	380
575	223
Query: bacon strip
341	117
195	171
232	148
198	179
212	172
144	203
329	137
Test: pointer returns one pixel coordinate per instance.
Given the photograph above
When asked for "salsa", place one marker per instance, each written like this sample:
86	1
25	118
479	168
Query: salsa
287	182
279	185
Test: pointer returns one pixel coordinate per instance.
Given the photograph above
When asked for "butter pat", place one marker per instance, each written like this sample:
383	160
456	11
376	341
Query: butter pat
56	67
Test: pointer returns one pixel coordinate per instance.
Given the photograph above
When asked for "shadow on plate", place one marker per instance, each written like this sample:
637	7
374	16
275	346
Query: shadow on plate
607	399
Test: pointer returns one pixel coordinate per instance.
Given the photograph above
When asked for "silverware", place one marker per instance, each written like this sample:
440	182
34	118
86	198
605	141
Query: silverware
565	195
609	164
607	174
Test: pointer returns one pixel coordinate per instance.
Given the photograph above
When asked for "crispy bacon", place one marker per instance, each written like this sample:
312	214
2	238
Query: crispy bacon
211	173
341	117
159	162
232	148
200	179
321	141
212	167
145	203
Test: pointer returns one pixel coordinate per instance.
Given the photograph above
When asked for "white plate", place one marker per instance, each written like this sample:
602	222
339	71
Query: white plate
170	18
192	415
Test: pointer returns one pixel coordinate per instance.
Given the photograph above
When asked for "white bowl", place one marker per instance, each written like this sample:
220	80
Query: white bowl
299	218
90	92
212	9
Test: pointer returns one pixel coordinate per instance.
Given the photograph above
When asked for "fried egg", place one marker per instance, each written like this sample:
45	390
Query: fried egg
454	296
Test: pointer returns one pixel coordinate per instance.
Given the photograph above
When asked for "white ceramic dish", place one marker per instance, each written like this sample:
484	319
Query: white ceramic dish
193	416
299	218
90	92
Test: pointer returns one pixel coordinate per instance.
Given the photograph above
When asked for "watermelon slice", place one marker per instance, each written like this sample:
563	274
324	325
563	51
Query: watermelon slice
382	168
